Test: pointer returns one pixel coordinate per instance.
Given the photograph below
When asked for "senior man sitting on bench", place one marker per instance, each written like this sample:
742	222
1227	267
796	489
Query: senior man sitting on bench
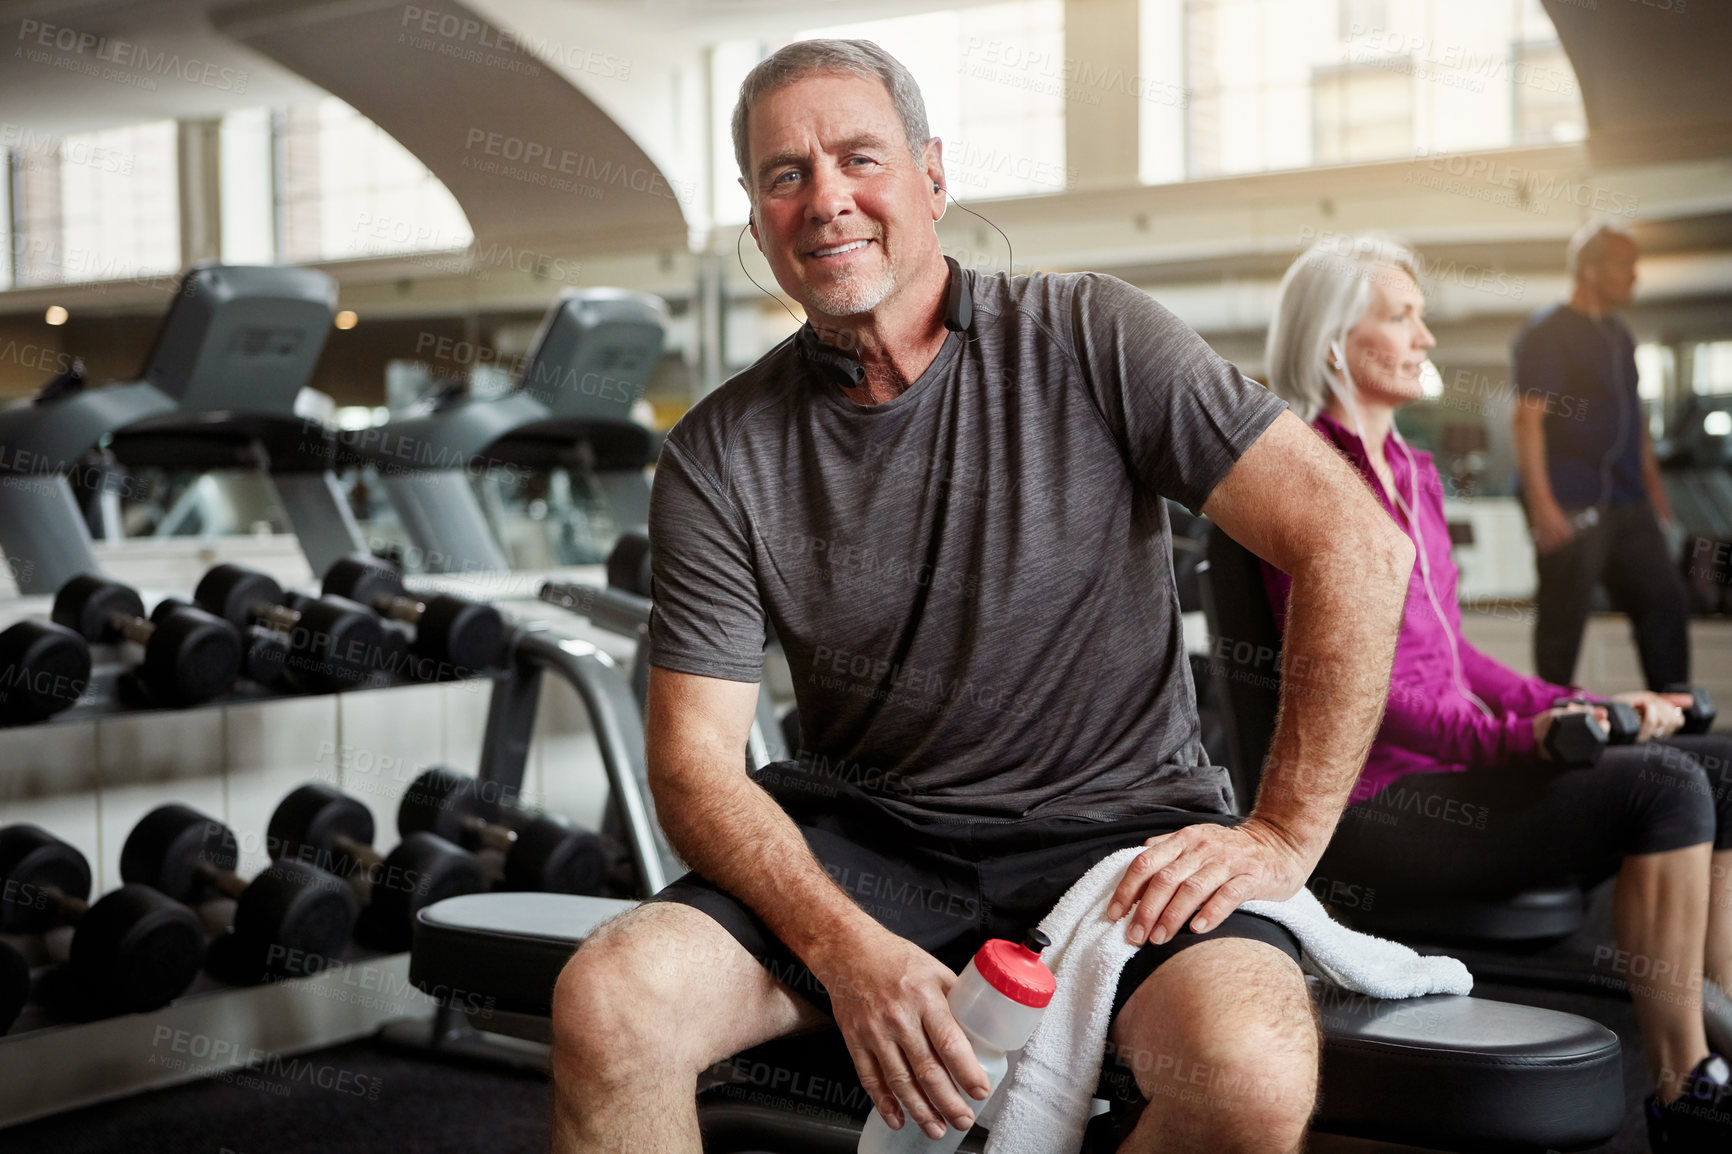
945	493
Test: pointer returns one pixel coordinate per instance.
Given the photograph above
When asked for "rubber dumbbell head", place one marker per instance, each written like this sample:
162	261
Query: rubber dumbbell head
467	634
1700	713
266	659
42	876
455	630
44	669
1576	740
423	868
237	594
189	656
446	803
367	580
92	607
336	644
180	851
135	950
192	657
321	824
1623	720
14	985
295	918
264	652
553	856
628	563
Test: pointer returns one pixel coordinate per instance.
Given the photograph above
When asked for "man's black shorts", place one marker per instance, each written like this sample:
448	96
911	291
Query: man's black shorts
949	890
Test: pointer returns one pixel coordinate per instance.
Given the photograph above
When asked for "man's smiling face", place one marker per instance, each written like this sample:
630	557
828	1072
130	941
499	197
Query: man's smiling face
844	211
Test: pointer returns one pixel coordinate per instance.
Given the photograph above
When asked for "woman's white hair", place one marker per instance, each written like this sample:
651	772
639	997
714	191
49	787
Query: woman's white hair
1323	295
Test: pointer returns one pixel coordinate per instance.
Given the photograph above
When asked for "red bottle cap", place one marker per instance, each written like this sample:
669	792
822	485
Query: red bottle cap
1016	971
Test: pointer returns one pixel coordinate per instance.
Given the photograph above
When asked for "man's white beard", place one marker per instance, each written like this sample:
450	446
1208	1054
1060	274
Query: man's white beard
852	295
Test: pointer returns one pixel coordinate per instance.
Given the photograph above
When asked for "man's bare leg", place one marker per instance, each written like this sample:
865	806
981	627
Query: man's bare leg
1223	1042
650	1001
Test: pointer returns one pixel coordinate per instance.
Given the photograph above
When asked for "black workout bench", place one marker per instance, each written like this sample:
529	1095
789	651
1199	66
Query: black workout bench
1440	1072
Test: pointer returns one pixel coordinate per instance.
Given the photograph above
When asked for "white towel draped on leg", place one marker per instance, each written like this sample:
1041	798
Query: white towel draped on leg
1043	1105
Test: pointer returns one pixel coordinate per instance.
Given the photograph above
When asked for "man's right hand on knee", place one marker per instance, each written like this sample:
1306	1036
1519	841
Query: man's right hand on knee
888	997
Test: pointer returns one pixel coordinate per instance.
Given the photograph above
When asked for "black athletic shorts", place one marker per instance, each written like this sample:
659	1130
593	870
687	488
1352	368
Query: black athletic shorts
949	890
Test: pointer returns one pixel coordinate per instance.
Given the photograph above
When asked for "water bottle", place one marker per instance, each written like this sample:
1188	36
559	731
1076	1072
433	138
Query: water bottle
997	1001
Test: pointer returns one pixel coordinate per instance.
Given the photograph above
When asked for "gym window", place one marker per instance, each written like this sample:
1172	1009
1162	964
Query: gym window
995	80
1281	84
92	206
344	188
1711	372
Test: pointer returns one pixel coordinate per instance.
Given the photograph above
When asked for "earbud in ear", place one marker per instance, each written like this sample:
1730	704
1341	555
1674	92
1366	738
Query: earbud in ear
936	187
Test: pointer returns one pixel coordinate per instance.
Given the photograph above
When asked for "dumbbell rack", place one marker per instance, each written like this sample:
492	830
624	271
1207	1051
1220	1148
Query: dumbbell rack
112	692
275	1021
211	1029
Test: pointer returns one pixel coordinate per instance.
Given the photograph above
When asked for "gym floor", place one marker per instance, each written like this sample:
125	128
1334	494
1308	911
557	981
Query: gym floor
383	1101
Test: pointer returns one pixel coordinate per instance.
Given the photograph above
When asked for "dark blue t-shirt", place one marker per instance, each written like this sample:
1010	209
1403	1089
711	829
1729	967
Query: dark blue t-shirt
1584	371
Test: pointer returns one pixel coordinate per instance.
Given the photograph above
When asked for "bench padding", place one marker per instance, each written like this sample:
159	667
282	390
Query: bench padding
1441	1072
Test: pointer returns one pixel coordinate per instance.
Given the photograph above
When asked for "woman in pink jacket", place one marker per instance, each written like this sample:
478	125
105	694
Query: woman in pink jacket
1458	797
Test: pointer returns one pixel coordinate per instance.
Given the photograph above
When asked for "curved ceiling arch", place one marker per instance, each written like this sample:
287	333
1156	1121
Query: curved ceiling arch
1656	76
531	159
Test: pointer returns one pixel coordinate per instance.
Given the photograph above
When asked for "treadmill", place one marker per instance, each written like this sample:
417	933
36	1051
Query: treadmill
218	390
570	407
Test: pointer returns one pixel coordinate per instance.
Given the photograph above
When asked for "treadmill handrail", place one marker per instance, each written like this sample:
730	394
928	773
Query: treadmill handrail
59	433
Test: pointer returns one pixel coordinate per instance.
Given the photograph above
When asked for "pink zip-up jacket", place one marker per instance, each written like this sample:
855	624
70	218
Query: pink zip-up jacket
1431	725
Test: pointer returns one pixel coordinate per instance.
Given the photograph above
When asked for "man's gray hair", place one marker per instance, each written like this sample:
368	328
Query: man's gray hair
1588	245
1323	295
805	58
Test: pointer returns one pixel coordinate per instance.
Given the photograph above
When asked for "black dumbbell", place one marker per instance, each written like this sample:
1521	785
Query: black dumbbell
292	918
466	634
542	853
1700	713
1623	720
14	985
319	823
333	644
189	656
264	654
628	563
1576	740
134	950
44	669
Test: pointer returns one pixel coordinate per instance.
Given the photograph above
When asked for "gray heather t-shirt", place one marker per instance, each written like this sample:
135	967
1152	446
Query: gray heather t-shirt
972	582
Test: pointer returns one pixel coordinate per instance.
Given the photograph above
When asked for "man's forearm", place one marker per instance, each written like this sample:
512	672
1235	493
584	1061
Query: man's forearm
1343	615
1653	481
733	833
1530	450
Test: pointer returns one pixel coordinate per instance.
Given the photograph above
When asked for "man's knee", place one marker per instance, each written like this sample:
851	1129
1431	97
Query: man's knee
621	994
1239	1048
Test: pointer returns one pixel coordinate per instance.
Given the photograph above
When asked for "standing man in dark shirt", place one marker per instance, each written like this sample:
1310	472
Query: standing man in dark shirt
1589	479
945	494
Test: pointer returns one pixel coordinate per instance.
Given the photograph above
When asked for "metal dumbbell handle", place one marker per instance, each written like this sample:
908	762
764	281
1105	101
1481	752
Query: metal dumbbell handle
225	882
279	617
369	857
400	607
71	908
492	836
132	628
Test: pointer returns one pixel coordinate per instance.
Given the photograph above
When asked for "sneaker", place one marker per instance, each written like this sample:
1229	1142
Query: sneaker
1700	1119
